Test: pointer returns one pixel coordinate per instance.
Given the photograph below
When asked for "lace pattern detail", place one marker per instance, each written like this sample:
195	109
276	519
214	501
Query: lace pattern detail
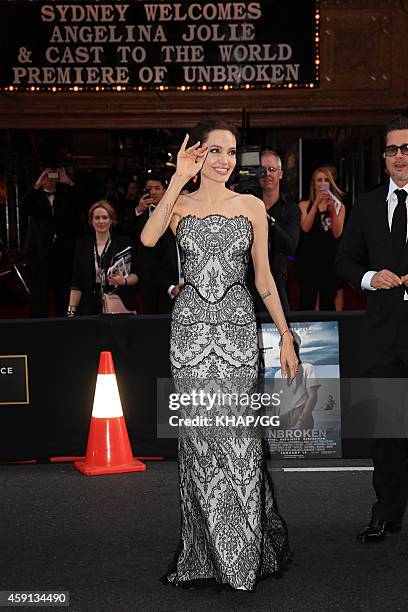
231	530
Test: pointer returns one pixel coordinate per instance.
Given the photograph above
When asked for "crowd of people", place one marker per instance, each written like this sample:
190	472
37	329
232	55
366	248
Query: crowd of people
69	266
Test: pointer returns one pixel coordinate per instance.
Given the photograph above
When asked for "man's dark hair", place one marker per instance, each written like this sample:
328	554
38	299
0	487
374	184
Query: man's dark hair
399	123
157	176
201	130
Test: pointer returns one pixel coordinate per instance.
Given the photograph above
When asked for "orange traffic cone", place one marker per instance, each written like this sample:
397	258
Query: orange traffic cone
108	450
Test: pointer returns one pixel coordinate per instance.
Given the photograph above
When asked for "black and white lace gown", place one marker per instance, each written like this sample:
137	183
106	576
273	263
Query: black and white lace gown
230	528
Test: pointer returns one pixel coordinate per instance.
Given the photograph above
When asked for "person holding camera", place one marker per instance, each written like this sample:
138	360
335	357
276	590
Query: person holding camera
136	218
283	220
52	213
322	221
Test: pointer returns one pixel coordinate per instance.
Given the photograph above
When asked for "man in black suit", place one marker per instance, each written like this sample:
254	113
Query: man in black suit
284	227
167	272
373	257
159	276
52	212
136	218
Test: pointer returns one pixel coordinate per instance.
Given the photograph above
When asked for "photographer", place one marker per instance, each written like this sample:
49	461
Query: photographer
53	215
284	227
151	195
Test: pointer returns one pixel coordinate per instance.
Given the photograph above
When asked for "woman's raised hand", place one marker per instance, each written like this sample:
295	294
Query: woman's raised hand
190	160
323	197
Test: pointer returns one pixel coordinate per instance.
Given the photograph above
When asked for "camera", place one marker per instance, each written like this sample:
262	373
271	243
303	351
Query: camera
53	175
249	171
145	192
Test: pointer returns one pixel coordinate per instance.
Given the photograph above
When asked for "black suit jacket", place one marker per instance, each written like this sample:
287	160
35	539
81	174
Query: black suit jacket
45	222
83	276
165	270
366	245
158	271
133	225
283	237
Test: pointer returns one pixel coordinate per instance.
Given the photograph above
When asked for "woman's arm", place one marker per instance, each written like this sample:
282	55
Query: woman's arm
189	162
120	243
307	218
337	220
74	299
120	281
267	289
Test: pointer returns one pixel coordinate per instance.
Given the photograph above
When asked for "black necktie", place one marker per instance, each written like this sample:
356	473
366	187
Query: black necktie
399	223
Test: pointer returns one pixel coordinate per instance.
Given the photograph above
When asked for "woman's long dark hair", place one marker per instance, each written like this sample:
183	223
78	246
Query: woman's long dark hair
201	130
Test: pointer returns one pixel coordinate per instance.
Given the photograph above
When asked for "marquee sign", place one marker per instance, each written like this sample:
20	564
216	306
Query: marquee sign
95	45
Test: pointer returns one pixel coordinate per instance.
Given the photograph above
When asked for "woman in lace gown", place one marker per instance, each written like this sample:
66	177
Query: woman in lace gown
230	528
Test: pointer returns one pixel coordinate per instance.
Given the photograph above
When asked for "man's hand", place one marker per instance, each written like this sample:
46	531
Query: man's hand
385	279
42	178
63	177
144	203
405	279
176	290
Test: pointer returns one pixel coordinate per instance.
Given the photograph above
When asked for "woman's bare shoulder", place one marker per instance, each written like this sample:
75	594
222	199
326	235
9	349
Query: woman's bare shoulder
254	207
184	205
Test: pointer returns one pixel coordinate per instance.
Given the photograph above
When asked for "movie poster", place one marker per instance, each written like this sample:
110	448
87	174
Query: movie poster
309	409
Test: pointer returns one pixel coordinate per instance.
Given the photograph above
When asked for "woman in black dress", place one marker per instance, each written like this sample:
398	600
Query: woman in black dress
93	257
322	220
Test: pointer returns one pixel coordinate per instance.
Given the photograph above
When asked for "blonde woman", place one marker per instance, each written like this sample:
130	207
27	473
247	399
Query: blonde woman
321	221
93	257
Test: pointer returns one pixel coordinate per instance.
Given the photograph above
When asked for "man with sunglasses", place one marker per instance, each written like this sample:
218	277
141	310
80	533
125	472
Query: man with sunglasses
373	257
284	227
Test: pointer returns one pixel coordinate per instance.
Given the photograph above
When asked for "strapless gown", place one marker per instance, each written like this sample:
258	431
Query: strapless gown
231	531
